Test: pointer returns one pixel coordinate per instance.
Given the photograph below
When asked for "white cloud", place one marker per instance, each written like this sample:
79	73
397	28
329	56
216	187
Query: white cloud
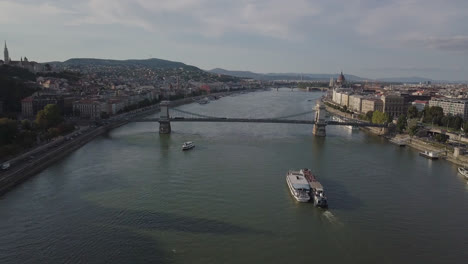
395	23
451	43
274	18
21	13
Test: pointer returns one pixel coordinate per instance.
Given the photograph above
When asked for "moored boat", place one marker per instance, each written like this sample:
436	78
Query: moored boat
317	192
429	154
188	145
463	171
298	186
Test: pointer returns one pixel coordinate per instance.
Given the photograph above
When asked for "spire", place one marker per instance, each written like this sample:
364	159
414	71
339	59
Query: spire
6	56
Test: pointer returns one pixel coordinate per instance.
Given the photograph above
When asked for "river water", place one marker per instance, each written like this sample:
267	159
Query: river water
133	196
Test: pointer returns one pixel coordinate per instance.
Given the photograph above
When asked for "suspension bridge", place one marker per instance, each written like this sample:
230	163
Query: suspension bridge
168	115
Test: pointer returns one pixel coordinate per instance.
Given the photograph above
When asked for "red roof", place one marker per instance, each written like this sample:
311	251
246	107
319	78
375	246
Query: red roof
420	102
27	99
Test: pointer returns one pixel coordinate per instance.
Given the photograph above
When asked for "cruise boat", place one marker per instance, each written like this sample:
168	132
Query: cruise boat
429	154
463	171
298	186
317	193
188	145
339	119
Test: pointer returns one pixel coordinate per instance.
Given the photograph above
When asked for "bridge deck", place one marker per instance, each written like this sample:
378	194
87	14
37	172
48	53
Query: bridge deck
257	120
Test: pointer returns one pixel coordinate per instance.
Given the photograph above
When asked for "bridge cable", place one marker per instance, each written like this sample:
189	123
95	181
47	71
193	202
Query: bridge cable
192	114
294	115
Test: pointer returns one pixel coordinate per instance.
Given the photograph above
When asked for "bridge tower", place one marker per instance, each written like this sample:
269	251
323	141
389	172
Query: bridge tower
164	122
320	121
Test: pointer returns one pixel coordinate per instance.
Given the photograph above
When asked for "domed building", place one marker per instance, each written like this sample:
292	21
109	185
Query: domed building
341	79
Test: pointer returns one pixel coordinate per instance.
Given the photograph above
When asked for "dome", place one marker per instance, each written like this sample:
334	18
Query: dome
341	78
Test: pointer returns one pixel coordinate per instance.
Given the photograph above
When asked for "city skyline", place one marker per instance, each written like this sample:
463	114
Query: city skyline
364	38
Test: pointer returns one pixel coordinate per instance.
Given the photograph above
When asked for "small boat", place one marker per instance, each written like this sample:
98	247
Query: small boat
188	145
463	171
429	154
298	186
318	195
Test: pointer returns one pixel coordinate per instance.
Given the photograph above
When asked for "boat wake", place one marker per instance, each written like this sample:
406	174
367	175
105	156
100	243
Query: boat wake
332	218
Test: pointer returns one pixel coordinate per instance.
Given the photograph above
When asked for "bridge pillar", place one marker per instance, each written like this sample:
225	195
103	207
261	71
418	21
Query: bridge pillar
320	121
164	121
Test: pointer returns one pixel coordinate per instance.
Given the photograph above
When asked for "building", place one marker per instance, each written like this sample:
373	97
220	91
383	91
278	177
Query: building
355	103
341	96
456	107
36	102
341	79
22	63
371	104
27	107
420	105
87	109
394	105
345	99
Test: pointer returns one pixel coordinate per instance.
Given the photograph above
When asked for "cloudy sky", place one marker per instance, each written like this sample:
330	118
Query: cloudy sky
369	38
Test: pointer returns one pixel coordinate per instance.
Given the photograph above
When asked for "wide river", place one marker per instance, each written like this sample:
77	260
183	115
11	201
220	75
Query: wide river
133	196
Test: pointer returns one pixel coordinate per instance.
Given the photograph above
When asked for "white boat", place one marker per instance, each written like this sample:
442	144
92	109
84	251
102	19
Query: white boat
429	154
352	128
188	145
463	171
298	186
317	193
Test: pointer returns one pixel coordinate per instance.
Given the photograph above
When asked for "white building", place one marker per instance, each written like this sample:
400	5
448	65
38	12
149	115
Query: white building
456	107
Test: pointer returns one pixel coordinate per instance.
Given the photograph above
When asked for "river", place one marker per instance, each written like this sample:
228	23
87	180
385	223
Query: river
133	196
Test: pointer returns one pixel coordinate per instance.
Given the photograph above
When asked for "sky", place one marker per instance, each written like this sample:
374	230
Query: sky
368	38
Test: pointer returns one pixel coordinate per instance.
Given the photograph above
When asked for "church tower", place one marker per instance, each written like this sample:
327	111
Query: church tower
5	54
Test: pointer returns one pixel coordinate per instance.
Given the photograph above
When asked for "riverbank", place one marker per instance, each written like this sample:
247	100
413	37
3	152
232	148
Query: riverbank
24	168
416	143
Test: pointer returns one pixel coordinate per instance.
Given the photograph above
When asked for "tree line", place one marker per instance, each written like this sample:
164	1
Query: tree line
17	136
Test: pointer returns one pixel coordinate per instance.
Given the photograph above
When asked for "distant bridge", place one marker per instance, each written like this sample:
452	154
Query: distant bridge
319	121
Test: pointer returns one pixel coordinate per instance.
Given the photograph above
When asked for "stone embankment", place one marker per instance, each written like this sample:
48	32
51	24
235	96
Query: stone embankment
23	170
413	142
381	131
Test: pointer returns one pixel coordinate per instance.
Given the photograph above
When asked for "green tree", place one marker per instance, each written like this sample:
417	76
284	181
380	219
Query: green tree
26	125
441	138
412	112
369	115
8	131
433	114
413	130
379	117
465	128
401	123
49	117
457	123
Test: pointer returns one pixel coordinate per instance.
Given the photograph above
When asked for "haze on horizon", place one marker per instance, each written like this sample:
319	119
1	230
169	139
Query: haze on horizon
368	38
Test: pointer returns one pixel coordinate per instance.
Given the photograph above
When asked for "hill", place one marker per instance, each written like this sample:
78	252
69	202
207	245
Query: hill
283	76
15	84
150	63
406	79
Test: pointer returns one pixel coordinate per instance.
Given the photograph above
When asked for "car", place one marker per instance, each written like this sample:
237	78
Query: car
5	166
